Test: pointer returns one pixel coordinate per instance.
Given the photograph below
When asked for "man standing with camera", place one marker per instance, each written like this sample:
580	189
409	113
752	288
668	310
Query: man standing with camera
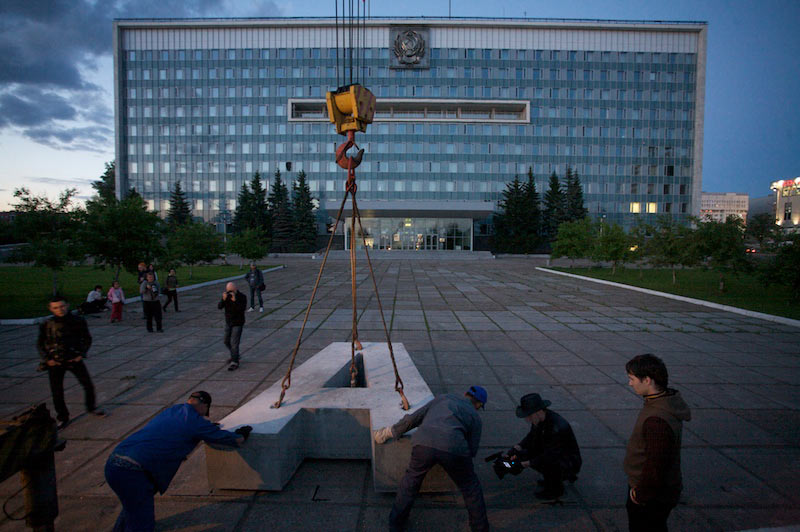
151	290
449	434
64	340
549	447
235	304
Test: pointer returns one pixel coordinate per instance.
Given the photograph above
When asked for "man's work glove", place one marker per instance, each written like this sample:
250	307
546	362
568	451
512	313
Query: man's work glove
244	431
381	435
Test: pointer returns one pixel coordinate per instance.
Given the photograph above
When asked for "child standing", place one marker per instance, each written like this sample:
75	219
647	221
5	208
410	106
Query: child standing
117	298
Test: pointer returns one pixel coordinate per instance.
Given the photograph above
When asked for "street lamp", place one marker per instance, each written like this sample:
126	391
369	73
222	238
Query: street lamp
224	218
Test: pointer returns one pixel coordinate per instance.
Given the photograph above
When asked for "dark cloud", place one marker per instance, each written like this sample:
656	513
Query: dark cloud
48	46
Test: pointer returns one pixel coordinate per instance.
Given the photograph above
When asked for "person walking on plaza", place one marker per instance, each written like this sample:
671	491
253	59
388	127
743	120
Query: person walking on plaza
146	461
255	280
117	298
653	457
141	274
449	434
549	447
172	290
234	303
63	343
151	291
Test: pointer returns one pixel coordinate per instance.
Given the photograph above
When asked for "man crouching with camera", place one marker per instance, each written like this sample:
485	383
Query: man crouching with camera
549	448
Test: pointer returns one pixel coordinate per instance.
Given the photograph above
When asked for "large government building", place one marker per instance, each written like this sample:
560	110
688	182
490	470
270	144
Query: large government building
463	105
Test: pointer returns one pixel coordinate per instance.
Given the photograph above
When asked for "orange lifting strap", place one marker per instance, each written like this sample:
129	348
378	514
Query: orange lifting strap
351	108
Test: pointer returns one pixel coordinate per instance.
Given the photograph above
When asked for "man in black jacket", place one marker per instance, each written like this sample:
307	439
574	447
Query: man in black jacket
549	447
234	303
64	340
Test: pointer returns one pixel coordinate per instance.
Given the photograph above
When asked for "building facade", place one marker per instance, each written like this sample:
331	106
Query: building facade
717	206
478	101
787	203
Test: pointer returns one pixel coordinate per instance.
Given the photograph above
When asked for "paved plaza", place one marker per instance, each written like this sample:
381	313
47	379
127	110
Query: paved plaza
498	323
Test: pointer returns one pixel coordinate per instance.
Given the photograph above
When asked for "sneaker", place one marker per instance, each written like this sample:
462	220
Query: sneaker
233	366
62	424
251	309
261	309
98	412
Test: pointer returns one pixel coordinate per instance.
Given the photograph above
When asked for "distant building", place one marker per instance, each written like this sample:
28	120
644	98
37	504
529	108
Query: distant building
718	206
762	205
787	203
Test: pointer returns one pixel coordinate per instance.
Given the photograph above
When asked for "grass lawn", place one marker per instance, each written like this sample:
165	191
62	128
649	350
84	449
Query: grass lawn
24	291
745	291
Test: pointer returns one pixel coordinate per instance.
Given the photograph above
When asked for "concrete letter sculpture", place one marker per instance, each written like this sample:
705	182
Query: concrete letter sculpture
323	417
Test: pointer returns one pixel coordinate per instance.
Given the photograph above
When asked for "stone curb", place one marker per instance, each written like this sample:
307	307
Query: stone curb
726	308
34	321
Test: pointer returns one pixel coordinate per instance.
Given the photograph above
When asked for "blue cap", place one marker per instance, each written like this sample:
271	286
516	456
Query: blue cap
479	393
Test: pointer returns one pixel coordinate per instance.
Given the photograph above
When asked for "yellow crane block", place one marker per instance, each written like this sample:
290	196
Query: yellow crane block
351	108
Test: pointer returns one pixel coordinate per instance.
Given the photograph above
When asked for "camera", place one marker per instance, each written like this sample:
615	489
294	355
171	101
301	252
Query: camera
503	465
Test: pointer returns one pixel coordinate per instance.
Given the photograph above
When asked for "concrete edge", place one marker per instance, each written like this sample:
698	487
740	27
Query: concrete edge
726	308
34	321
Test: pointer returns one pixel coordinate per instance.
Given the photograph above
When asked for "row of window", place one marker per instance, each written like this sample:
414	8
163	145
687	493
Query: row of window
485	54
313	72
404	167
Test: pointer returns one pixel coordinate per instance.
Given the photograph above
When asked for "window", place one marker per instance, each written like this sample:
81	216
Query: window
635	207
652	207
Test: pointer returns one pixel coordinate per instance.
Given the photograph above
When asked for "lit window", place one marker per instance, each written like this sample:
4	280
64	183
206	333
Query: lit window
635	207
651	207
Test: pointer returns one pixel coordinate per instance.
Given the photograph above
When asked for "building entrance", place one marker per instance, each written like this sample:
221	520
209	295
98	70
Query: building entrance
414	234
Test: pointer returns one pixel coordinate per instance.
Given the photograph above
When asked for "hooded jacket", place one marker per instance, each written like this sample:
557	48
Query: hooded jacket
653	458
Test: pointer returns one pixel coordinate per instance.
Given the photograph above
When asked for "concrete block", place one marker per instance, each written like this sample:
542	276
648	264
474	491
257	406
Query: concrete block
323	417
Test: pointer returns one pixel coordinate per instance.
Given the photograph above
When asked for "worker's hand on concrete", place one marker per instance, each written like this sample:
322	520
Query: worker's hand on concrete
244	431
381	435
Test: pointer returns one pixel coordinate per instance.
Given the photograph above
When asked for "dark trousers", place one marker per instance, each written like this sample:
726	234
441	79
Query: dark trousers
233	333
459	468
152	309
253	291
172	295
56	374
135	491
650	517
95	306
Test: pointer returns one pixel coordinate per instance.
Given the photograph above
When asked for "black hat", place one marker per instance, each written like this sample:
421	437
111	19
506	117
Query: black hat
531	403
203	397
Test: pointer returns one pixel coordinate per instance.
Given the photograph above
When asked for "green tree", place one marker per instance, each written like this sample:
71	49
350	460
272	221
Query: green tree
554	208
722	243
574	240
49	228
281	212
179	213
612	245
259	208
510	231
105	187
250	244
243	215
672	245
574	209
784	267
638	236
533	214
121	234
304	221
194	242
763	229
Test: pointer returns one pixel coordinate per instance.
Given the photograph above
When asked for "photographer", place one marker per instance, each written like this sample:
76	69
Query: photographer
151	290
63	342
234	303
145	462
549	447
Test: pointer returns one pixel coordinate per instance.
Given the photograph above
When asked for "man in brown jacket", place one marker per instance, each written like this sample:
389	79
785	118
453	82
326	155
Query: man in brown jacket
653	458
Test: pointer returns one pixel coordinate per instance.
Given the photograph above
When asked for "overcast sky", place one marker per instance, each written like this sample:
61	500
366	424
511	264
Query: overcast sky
56	100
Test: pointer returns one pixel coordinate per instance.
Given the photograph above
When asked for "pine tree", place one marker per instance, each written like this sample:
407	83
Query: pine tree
533	214
281	214
509	223
180	213
259	210
575	209
554	208
305	227
243	215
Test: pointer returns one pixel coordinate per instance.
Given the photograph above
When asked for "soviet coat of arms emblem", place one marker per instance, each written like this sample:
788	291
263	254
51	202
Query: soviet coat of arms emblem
409	47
